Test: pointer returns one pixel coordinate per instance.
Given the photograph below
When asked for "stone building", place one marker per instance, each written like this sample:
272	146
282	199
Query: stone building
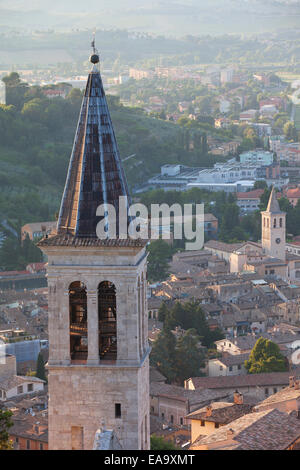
272	257
99	353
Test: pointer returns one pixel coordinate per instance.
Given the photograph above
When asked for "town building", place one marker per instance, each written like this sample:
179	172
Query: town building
229	364
13	385
272	257
205	421
261	129
264	430
248	115
293	195
254	387
250	201
138	74
98	332
257	157
37	230
172	403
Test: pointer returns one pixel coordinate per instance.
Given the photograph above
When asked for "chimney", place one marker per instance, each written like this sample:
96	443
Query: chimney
230	434
292	382
238	398
208	411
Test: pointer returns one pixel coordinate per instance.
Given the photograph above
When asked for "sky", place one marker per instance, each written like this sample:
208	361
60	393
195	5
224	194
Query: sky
168	17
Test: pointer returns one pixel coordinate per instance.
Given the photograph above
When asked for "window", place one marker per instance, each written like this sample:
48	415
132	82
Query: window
230	368
239	367
28	444
41	446
266	391
280	222
152	409
118	413
20	389
163	415
30	388
78	321
77	438
202	423
275	223
274	390
221	367
172	419
181	421
217	426
107	316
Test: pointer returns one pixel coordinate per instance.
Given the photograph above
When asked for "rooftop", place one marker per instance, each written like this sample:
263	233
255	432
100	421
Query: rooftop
181	394
222	412
239	381
265	430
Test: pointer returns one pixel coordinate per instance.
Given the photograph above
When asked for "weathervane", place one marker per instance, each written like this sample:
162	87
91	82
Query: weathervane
95	59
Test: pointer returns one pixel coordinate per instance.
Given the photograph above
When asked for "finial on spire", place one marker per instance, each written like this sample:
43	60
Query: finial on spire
94	58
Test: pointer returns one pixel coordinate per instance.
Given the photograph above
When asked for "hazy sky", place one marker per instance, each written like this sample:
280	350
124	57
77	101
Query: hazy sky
170	17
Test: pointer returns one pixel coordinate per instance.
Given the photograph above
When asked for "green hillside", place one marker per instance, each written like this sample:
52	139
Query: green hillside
36	139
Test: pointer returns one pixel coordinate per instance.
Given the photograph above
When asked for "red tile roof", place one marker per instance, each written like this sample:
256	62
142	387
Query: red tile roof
255	194
250	380
293	193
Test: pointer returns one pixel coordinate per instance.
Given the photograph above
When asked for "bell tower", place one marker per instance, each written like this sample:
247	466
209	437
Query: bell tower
98	323
273	229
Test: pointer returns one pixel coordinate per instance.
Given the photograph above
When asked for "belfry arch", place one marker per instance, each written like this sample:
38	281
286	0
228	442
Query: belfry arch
78	321
107	320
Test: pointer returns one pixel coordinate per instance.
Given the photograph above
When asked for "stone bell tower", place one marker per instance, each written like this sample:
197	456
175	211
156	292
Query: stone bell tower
98	333
273	229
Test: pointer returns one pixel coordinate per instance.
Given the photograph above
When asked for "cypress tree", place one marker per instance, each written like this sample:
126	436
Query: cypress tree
40	368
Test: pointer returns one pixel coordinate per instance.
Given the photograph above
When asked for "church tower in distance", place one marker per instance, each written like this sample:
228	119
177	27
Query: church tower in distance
273	229
98	328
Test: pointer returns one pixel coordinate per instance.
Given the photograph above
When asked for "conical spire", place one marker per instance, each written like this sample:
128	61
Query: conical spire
273	205
95	174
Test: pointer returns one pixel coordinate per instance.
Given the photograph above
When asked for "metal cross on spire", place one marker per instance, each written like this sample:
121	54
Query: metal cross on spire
95	58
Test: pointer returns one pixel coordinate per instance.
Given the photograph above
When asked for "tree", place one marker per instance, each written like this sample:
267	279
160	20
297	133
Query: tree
290	131
189	357
5	424
15	90
163	354
266	357
40	368
229	221
159	443
159	254
260	184
162	312
191	316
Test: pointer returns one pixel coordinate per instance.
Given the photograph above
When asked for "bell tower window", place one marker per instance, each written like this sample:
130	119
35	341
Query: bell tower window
274	223
78	322
107	316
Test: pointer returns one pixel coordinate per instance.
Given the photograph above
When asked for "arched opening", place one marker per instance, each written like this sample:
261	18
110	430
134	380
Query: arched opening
274	223
78	321
107	315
